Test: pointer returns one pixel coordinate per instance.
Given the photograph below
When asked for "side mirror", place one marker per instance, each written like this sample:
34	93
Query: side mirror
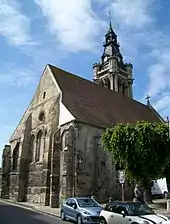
74	206
123	213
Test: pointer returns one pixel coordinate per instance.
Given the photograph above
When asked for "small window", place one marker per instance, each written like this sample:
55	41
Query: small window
41	116
44	93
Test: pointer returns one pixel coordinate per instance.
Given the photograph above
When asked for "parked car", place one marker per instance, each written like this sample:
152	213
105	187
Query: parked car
159	187
81	209
130	213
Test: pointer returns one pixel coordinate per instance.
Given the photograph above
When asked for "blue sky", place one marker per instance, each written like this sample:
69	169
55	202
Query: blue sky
69	34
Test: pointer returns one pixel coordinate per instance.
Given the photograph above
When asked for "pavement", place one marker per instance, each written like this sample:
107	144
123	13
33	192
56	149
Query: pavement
159	206
15	214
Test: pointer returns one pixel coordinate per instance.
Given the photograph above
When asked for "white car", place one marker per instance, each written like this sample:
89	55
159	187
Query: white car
130	213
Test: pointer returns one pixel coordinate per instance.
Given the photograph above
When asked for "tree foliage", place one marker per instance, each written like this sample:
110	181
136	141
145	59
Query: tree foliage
142	149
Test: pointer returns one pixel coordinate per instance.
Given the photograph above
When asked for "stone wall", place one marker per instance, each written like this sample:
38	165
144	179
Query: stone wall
31	178
95	172
6	168
81	167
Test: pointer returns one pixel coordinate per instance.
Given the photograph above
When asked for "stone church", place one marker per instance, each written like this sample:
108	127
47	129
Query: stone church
55	151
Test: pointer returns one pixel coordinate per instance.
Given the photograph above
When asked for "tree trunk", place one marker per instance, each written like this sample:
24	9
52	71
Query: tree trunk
167	175
147	196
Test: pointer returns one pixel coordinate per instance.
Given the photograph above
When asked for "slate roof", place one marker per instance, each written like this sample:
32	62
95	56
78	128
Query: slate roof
91	103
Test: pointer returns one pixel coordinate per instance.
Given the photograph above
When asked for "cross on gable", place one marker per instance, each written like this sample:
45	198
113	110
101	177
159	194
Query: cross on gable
148	97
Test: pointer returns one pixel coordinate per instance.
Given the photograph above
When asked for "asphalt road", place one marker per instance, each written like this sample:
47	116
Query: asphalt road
10	214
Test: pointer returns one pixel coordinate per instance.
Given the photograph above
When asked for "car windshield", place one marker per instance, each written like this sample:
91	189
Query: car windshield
139	209
87	202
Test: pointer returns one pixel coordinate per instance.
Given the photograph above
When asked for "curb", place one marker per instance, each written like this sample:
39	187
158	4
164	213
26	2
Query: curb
47	213
28	207
16	204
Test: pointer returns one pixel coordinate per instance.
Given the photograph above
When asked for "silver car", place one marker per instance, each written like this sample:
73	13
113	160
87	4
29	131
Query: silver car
83	210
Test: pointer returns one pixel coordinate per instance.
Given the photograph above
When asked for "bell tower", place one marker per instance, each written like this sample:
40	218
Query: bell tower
111	72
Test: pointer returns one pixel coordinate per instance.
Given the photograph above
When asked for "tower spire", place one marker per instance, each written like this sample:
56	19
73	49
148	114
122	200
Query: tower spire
110	19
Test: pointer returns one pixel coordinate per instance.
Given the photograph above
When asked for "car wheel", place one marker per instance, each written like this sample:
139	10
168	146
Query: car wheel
102	220
166	195
63	216
79	219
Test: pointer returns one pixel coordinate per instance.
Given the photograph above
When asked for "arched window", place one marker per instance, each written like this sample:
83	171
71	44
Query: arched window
124	87
107	83
31	148
15	157
119	85
45	142
38	146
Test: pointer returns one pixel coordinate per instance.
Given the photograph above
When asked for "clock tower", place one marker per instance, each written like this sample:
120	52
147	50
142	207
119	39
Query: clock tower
111	72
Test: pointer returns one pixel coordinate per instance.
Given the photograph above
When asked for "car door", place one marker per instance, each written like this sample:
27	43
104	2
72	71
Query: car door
67	208
73	210
115	215
110	210
119	218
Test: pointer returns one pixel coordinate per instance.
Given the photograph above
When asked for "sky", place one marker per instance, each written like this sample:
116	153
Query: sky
69	34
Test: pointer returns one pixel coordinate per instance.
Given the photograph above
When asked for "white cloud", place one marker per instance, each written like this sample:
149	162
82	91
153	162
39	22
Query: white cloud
159	79
14	25
163	105
132	13
18	77
74	25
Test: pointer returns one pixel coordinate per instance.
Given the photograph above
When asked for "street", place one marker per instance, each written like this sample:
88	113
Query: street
10	214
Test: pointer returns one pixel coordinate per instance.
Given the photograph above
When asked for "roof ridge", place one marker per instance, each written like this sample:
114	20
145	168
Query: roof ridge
99	86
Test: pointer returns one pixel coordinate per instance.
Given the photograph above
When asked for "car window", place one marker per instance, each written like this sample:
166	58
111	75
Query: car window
68	202
139	209
87	202
73	202
121	208
111	208
115	208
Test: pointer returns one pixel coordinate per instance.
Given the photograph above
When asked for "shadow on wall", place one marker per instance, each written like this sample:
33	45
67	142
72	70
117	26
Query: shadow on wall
24	163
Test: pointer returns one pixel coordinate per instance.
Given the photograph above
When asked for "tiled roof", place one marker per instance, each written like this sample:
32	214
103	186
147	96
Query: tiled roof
91	103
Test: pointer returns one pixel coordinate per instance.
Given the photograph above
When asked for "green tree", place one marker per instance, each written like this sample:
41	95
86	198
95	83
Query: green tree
142	149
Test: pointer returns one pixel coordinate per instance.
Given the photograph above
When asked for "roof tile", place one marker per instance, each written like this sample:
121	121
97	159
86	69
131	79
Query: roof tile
91	103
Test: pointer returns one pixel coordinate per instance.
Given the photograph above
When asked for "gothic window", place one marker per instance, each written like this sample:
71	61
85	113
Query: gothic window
119	83
45	136
41	116
15	157
107	83
31	148
44	93
124	87
38	146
